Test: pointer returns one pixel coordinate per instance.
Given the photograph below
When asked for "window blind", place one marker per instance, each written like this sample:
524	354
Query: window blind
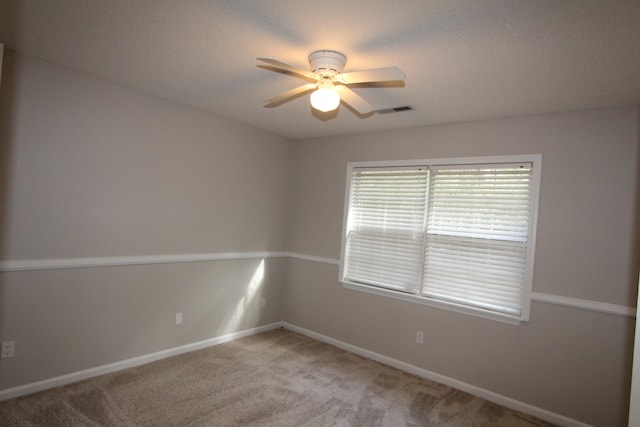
477	233
385	227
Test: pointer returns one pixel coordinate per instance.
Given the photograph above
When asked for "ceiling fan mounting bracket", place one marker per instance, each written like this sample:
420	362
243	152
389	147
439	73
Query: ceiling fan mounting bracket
327	62
325	81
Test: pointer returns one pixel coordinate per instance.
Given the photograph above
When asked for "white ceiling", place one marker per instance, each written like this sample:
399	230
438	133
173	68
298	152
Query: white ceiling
464	60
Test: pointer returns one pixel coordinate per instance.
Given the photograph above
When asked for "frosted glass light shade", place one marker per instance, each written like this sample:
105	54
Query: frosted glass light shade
325	99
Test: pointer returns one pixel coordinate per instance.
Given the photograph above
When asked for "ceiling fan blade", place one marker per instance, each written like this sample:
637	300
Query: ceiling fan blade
354	100
375	75
291	93
293	69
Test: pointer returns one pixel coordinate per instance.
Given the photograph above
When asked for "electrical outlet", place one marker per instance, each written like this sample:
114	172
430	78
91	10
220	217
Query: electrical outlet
419	337
178	318
8	349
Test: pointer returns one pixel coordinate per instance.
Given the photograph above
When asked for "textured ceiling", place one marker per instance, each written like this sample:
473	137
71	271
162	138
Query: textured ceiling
464	60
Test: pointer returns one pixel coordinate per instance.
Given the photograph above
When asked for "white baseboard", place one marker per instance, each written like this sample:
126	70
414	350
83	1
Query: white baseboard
73	377
412	369
429	375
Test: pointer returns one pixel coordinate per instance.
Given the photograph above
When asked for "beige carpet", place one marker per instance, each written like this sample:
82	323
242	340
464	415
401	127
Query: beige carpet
277	378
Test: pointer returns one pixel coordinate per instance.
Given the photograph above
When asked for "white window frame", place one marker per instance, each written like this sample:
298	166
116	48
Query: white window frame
536	162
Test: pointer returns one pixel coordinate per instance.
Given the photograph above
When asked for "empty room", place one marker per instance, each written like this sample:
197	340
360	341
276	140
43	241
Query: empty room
287	213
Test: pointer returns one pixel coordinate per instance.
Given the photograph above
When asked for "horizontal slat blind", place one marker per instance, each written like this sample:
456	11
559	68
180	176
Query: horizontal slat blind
477	234
385	227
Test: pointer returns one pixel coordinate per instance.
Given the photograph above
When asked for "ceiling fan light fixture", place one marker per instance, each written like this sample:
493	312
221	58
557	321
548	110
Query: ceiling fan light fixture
325	99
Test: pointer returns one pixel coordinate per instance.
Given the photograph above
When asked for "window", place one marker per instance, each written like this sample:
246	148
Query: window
454	233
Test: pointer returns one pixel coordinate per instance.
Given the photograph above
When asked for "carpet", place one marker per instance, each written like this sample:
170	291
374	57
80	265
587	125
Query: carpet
276	378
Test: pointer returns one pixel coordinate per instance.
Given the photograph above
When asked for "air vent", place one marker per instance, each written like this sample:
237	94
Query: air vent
395	109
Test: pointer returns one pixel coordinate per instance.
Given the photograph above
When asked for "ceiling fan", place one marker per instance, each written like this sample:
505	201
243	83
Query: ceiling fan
329	83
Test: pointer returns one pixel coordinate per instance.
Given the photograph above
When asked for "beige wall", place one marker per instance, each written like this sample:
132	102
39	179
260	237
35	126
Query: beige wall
94	169
67	320
571	361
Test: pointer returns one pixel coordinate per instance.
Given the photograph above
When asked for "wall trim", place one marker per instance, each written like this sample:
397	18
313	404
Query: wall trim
584	304
73	377
322	260
116	261
508	402
331	261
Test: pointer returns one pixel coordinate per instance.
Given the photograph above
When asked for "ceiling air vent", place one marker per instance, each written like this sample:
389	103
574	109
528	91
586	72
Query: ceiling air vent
395	109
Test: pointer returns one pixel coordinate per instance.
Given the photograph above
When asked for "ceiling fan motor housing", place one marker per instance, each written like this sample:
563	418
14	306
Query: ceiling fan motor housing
327	62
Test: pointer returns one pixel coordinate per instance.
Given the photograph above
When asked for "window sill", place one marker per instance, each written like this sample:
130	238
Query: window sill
484	314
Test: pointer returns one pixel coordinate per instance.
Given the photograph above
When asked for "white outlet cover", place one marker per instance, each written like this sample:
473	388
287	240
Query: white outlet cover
8	349
178	318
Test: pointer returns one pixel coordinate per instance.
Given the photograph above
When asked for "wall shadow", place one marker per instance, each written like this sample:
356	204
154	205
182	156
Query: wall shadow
7	119
634	274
